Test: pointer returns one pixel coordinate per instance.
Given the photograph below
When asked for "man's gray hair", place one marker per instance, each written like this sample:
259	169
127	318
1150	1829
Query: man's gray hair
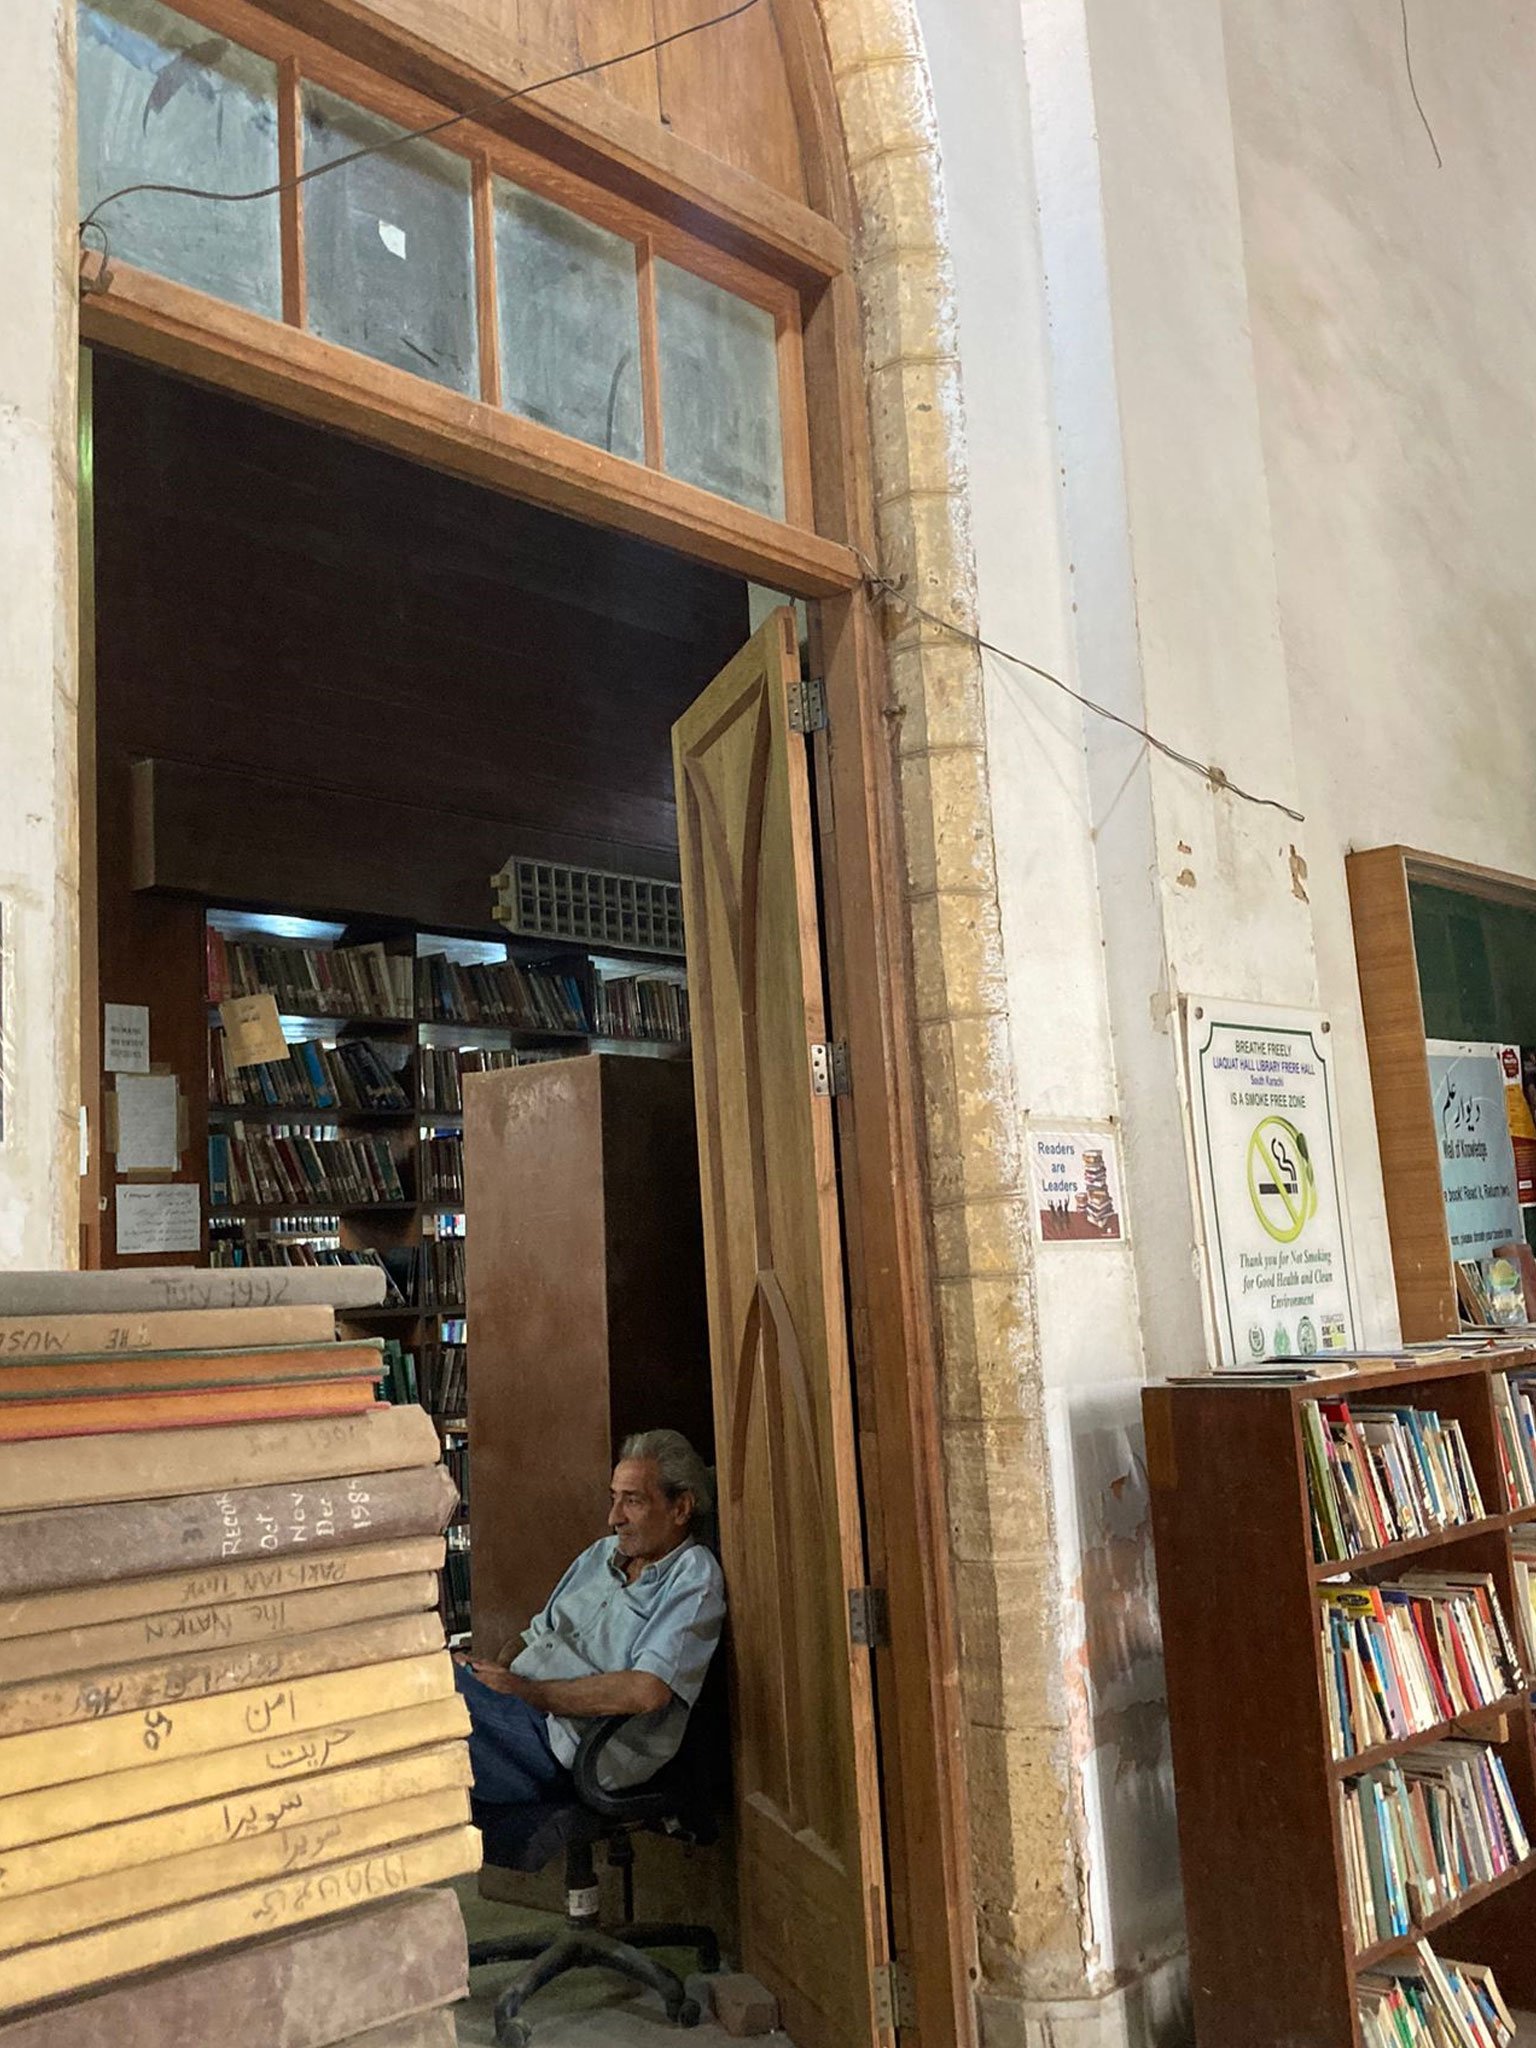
678	1465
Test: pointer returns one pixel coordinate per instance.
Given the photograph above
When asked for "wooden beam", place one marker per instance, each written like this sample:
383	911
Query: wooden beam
297	373
585	129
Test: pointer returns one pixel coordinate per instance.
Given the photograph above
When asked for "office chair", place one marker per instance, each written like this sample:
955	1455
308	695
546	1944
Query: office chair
682	1801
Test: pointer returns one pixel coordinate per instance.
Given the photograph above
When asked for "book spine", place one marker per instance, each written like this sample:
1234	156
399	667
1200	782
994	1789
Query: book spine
30	1339
269	1713
154	1939
52	1549
95	1470
132	1688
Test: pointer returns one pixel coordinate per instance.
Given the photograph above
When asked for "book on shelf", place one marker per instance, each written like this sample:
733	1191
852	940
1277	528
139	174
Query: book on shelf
1379	1475
642	1006
354	1074
1423	2000
442	1168
526	997
244	1248
399	1377
276	1168
1399	1660
327	981
443	1068
1514	1407
1422	1830
442	1373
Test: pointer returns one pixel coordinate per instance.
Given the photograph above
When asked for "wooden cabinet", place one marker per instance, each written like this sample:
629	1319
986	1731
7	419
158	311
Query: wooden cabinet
586	1297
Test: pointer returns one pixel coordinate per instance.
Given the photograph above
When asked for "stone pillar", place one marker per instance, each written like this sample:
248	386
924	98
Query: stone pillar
39	865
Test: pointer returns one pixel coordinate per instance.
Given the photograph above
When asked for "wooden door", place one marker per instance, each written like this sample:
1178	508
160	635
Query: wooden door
807	1793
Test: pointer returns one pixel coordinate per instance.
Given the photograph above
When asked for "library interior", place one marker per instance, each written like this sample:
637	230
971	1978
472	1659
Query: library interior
478	831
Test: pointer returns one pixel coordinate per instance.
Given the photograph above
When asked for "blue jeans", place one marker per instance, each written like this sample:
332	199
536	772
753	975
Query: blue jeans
509	1750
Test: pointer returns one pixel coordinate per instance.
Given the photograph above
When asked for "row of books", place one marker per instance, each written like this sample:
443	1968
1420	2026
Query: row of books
1426	2001
1400	1659
501	992
640	1006
1378	1475
430	1274
1514	1407
276	1168
1422	1831
442	1372
442	1169
232	1247
456	1583
351	1075
326	981
443	1068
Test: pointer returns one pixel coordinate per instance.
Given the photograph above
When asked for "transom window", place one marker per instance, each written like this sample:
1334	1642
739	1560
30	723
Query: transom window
442	258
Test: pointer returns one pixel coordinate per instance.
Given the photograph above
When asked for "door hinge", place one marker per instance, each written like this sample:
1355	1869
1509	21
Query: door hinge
895	2004
869	1617
808	705
830	1071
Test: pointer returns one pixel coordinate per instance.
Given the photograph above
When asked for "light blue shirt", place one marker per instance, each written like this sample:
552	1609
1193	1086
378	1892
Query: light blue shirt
667	1621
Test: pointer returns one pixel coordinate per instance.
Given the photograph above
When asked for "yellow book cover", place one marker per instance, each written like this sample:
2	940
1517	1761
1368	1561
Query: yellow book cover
98	1901
222	1624
266	1713
261	1578
153	1939
387	1437
102	1852
252	1768
115	1689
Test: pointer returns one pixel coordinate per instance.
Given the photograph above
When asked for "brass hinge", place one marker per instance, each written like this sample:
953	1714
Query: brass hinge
808	705
830	1071
869	1617
895	2004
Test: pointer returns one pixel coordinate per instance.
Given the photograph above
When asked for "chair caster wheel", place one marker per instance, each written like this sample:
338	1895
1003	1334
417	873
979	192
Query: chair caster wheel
689	2013
513	2033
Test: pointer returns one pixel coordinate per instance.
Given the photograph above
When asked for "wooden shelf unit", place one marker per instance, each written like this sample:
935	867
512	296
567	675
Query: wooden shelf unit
1271	1945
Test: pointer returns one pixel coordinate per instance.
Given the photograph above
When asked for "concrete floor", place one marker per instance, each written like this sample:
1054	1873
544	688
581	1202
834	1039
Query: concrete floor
588	2009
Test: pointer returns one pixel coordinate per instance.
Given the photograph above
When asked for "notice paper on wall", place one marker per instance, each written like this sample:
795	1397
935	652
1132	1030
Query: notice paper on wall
1477	1155
253	1031
146	1124
125	1038
1271	1196
160	1216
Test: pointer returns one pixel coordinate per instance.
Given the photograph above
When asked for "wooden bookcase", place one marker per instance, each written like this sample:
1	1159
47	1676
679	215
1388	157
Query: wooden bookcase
422	1326
1271	1946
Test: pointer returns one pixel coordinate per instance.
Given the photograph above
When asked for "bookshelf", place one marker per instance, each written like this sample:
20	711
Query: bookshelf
1272	1948
394	1018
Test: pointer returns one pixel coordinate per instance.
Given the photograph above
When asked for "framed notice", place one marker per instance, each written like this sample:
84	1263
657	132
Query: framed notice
1467	1085
1266	1157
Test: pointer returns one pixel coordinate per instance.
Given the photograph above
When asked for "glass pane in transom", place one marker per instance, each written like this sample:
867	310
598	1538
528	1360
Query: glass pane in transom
719	391
570	322
163	101
388	253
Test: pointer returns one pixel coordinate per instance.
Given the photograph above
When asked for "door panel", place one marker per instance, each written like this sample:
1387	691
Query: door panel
813	1908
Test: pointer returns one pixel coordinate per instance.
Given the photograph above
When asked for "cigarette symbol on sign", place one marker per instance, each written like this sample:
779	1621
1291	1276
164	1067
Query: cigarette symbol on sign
1281	1183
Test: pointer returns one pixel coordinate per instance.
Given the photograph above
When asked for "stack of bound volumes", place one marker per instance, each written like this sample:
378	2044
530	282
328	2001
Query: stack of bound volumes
226	1708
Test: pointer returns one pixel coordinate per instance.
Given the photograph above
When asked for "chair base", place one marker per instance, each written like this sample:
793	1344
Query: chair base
589	1948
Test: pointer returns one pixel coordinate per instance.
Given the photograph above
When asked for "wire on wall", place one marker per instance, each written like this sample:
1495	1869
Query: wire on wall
92	222
892	593
1414	88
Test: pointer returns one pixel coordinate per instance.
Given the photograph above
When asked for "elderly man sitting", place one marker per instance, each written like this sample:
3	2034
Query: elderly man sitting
630	1629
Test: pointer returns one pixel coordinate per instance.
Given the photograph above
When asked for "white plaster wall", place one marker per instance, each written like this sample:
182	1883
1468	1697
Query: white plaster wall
38	813
1394	338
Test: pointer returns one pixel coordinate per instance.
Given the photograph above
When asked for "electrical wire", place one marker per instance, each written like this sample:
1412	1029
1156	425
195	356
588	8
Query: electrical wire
1414	89
883	587
478	113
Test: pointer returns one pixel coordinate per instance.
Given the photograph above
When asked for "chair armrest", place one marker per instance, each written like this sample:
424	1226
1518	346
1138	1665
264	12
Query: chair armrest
589	1789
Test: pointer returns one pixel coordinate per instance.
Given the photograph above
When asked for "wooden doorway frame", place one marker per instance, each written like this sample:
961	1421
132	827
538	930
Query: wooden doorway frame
872	1006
